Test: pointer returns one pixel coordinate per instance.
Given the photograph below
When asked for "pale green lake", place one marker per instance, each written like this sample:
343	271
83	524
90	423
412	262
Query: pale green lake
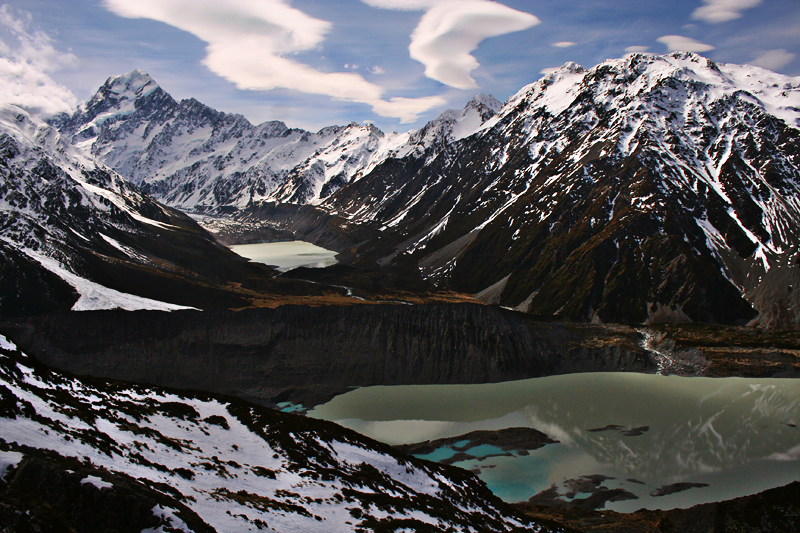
287	255
740	436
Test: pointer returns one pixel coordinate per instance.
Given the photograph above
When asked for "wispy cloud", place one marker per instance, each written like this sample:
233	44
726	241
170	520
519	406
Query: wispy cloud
26	58
716	11
450	30
253	45
676	43
637	49
401	5
773	59
563	44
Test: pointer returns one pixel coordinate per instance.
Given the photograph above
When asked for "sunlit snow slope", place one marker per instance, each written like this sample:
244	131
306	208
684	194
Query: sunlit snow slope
190	156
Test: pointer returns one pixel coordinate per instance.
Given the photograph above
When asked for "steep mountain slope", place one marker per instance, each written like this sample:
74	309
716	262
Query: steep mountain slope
195	158
646	188
74	234
169	461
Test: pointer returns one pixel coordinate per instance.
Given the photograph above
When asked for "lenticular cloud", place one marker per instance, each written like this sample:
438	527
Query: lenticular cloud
716	11
675	43
451	29
252	45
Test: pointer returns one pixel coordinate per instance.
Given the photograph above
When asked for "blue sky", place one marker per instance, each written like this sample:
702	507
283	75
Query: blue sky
397	63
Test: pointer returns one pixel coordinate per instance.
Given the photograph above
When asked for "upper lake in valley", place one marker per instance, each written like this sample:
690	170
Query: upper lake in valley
287	255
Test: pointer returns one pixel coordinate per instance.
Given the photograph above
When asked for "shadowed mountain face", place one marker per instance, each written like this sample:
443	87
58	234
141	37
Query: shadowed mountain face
645	189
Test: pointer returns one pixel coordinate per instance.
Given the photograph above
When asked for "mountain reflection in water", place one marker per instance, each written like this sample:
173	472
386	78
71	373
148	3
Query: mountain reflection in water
645	433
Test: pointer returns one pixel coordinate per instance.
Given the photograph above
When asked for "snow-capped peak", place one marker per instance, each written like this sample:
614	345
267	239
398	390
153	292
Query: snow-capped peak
135	83
120	93
453	124
670	79
30	131
485	103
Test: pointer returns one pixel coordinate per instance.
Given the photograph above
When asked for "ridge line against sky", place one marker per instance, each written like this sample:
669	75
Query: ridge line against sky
396	63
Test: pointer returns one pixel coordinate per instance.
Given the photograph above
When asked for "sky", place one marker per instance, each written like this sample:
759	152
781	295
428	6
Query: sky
395	63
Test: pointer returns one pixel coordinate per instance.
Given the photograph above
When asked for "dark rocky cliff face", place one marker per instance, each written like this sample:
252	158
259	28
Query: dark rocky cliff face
307	354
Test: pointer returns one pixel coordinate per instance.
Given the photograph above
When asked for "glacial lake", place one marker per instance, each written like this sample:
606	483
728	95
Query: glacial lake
287	255
720	438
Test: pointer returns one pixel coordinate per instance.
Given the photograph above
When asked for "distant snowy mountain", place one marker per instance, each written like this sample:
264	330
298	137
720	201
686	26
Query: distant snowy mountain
201	160
645	188
452	125
99	456
74	234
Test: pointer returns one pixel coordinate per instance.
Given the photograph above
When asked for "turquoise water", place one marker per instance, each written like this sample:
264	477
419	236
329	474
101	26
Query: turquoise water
287	255
289	407
480	453
440	454
740	436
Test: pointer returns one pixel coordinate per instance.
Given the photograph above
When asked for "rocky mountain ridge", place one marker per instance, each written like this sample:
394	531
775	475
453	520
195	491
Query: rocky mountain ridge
200	160
647	188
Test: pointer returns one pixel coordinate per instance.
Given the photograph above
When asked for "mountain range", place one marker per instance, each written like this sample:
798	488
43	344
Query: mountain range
195	158
645	189
74	234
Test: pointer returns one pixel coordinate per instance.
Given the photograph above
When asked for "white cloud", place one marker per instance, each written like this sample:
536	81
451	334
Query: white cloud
407	109
546	71
773	59
563	44
451	29
377	70
676	43
716	11
252	44
401	5
637	49
26	59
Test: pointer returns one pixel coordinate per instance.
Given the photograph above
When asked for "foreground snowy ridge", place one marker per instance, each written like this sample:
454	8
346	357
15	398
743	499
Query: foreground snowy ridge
232	465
